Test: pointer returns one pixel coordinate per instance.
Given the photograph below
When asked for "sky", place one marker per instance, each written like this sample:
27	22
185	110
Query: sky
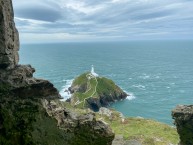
103	20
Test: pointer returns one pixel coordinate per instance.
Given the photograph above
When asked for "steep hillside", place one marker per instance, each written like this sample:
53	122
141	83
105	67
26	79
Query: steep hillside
94	92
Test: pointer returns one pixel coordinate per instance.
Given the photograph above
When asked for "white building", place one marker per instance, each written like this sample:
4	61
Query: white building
93	73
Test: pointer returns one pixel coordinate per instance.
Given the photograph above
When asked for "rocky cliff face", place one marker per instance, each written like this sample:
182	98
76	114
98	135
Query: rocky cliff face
26	115
9	38
183	116
17	77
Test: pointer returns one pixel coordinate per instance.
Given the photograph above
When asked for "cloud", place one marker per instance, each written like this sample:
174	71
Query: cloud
38	10
105	20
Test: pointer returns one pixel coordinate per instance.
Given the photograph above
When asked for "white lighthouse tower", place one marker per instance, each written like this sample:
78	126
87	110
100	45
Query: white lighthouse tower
92	72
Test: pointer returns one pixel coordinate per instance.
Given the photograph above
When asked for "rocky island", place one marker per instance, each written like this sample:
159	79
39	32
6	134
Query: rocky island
91	91
31	112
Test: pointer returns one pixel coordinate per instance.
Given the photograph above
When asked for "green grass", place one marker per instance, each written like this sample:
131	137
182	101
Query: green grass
81	96
148	132
105	87
80	80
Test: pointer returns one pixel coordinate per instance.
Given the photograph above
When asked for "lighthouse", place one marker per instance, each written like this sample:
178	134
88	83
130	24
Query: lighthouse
92	72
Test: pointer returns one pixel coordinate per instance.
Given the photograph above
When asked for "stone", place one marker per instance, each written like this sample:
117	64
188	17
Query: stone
19	78
9	38
183	116
105	111
84	127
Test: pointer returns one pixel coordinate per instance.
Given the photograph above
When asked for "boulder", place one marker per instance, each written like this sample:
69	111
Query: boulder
84	127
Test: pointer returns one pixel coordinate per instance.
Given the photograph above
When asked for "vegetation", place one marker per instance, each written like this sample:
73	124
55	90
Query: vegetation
93	87
16	117
106	87
23	121
81	80
148	132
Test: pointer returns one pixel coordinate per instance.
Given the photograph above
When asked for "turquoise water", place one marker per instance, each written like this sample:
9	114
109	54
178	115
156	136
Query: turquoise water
158	74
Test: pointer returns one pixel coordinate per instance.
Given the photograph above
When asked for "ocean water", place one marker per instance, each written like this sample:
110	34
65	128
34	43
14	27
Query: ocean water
157	74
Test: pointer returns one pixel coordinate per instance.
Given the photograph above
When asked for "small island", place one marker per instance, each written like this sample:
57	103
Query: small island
89	90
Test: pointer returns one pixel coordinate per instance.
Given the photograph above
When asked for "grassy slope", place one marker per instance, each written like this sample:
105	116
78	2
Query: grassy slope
148	132
82	96
105	86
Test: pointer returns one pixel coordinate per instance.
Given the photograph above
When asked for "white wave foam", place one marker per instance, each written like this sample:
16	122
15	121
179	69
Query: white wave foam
157	77
172	83
64	92
144	76
139	86
130	96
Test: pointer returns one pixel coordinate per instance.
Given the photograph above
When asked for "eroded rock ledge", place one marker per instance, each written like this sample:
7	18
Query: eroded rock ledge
84	128
183	116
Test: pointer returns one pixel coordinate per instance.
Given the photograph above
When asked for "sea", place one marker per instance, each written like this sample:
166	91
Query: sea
157	74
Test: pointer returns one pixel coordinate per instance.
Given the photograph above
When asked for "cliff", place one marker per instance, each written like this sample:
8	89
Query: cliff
9	38
183	116
28	112
94	92
19	79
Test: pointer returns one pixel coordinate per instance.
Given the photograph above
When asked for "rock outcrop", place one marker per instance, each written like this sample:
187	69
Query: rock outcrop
95	92
19	78
84	128
183	116
26	119
9	38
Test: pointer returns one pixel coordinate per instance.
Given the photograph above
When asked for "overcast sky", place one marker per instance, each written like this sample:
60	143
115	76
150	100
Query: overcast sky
103	20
